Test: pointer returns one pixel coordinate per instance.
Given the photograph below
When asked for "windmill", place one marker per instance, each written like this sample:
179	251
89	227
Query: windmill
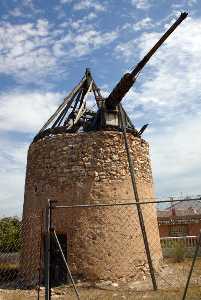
74	115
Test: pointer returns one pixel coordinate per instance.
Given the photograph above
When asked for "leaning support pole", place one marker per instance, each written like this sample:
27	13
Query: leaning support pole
67	267
192	266
40	260
139	210
48	252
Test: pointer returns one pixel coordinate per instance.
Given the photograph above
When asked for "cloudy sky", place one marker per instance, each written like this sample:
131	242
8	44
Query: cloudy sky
45	47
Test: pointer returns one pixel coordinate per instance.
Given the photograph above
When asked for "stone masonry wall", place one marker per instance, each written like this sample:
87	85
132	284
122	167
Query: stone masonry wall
102	243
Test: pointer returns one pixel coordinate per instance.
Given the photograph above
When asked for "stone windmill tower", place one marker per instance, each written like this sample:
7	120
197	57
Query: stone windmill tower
79	157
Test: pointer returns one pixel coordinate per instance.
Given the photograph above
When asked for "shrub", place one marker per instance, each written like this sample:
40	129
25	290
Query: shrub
179	252
10	229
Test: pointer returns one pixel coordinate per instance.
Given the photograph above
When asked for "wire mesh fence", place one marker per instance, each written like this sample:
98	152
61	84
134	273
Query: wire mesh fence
102	249
21	254
104	244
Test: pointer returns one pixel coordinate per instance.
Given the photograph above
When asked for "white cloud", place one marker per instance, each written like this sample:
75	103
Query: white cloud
91	16
83	43
31	51
168	93
145	23
173	84
23	49
42	27
176	157
12	193
28	3
89	4
125	50
26	112
94	38
66	1
191	2
12	176
21	112
184	3
128	49
16	12
141	4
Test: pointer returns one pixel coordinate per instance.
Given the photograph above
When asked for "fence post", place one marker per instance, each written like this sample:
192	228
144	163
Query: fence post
48	251
192	266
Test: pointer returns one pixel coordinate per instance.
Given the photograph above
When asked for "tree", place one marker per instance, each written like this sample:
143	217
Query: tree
10	231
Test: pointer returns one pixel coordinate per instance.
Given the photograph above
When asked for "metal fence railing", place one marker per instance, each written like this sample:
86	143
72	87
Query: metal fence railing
188	244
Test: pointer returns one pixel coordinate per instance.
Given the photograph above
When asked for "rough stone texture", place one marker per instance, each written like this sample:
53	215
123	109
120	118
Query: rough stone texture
32	231
103	243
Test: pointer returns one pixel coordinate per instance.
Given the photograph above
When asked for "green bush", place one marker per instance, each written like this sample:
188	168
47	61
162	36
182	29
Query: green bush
10	231
179	252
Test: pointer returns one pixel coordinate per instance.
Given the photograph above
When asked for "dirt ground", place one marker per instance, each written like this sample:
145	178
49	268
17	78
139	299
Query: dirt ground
98	294
171	281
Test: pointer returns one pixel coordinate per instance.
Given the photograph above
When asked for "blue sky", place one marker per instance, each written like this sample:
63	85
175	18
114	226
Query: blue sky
45	47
